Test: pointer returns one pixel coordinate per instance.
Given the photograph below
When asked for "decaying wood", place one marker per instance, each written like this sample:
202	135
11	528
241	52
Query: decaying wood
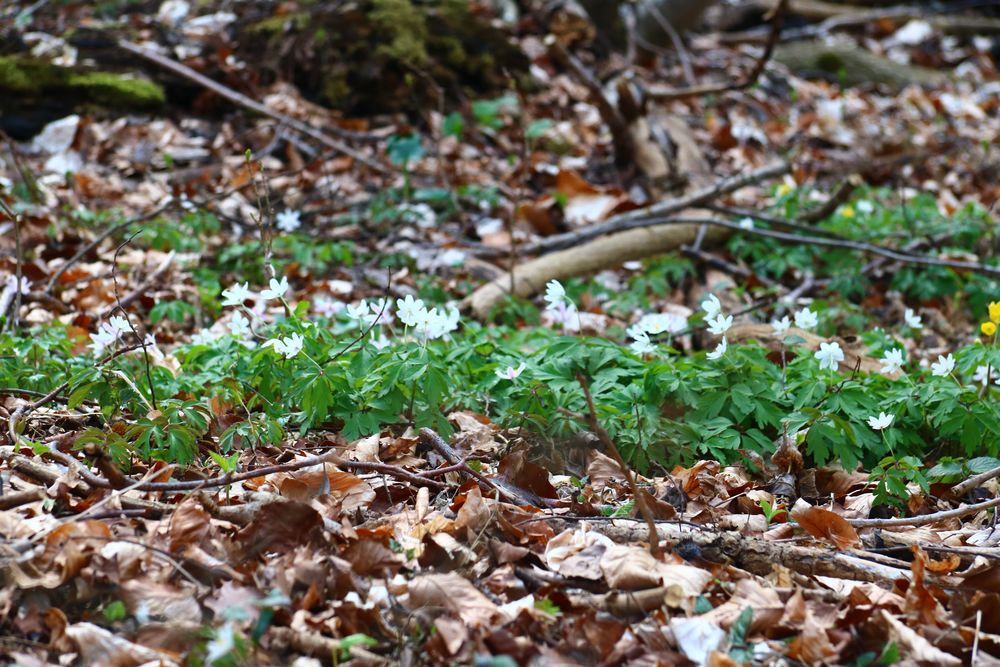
926	519
852	66
759	556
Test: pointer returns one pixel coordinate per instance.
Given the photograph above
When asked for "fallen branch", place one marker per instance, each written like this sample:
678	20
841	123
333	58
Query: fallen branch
330	457
627	220
924	519
777	16
621	138
18	498
507	492
253	105
604	253
612	251
975	481
755	555
840	196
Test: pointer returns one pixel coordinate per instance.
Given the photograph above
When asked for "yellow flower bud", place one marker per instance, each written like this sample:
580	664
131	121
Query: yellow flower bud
995	312
988	328
847	211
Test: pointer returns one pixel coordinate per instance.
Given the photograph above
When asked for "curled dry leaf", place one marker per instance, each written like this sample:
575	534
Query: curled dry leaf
787	456
279	527
97	646
577	553
825	525
453	593
68	549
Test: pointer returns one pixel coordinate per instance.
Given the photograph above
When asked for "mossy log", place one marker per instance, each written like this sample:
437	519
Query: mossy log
27	77
852	66
384	55
34	92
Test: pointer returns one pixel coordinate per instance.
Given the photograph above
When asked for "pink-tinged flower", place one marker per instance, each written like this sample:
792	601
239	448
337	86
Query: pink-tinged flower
555	294
510	373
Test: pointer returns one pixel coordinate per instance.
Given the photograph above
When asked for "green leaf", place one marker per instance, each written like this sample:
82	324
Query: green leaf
890	654
115	611
453	125
403	150
537	128
548	606
947	472
357	639
981	464
79	395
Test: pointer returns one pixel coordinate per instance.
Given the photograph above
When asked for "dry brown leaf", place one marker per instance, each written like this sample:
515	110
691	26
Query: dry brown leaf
188	525
161	601
103	648
825	525
912	645
453	593
577	553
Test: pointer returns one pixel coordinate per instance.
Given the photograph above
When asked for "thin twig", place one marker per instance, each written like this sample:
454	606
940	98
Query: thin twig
641	217
156	551
621	139
609	444
82	252
860	246
924	519
330	457
24	411
153	278
431	437
675	39
253	105
777	16
364	333
141	338
840	196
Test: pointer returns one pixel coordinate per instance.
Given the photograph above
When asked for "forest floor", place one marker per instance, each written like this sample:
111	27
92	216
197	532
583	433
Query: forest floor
550	358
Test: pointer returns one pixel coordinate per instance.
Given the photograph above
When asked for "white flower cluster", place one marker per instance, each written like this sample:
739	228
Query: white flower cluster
718	324
111	332
430	323
240	325
652	324
108	334
560	307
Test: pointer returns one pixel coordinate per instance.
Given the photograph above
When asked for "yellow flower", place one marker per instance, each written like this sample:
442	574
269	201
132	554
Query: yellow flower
847	211
995	312
783	189
988	328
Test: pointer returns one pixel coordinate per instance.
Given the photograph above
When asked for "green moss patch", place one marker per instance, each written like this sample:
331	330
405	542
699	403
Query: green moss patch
28	77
